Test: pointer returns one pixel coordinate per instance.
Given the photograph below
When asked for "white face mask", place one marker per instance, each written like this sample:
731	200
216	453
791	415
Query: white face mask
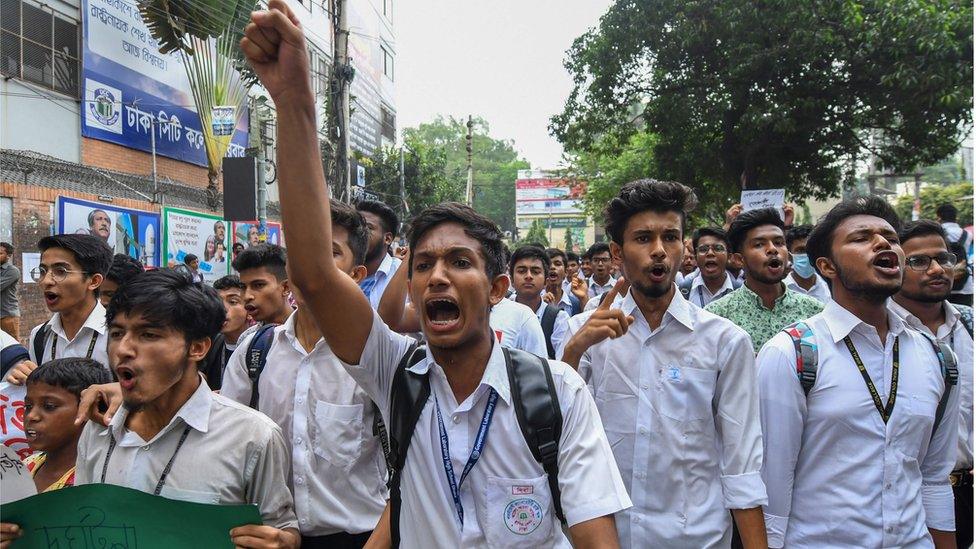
802	266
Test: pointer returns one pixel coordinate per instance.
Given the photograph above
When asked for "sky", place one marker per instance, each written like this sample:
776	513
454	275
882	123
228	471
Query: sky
501	60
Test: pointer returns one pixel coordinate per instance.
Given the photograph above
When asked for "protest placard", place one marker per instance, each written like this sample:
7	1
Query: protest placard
764	198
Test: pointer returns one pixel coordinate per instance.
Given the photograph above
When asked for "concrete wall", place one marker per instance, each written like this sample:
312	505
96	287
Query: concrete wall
36	119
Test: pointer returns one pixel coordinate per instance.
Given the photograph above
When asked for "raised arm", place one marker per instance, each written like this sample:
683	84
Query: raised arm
275	46
393	308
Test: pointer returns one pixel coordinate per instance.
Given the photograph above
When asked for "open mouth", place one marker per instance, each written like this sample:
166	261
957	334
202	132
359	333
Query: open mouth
30	433
658	272
50	297
250	308
774	263
127	378
887	262
442	313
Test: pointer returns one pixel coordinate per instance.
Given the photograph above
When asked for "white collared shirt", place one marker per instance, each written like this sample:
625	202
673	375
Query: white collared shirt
953	333
595	289
819	291
338	471
506	474
517	327
232	455
681	410
700	294
837	475
560	326
94	326
388	267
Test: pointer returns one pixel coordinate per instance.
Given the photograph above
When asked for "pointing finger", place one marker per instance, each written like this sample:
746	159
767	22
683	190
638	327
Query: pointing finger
619	288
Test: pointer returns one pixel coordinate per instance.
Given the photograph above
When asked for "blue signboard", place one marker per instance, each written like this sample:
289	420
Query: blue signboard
132	232
131	90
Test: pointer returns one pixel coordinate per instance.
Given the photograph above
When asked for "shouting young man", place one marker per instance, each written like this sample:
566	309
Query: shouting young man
530	270
449	495
853	453
713	281
675	385
262	271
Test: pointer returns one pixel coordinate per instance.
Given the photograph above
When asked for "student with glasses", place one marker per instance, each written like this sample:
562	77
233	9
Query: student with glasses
601	280
72	268
923	303
712	256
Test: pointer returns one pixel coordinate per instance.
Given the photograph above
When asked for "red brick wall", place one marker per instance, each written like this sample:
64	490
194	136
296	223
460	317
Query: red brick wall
116	157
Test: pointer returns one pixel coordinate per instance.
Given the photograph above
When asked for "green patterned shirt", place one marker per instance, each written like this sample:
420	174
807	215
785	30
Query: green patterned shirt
745	309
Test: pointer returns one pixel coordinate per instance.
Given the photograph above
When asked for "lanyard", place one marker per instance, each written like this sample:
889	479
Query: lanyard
479	445
884	410
169	464
54	345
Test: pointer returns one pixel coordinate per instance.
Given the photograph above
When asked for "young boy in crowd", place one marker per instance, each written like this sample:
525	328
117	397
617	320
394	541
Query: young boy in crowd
53	392
123	268
262	271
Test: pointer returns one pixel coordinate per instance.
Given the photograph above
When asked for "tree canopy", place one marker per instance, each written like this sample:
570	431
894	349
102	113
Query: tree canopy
772	93
960	195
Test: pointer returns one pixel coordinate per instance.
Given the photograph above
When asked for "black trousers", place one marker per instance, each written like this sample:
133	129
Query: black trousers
963	496
341	540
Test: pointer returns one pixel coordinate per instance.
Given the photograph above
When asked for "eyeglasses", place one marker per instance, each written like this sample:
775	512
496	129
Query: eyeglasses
717	248
58	273
600	260
946	260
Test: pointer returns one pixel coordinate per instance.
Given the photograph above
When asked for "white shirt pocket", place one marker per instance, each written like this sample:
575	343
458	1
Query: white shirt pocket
338	432
686	393
519	512
193	496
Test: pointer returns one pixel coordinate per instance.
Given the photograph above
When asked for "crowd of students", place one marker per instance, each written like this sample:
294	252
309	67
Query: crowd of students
757	385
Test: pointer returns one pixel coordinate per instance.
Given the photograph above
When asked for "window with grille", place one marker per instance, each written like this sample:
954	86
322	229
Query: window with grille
39	46
387	62
388	123
319	64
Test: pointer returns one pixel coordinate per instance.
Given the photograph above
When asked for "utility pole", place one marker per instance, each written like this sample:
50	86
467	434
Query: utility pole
262	183
469	193
403	186
343	73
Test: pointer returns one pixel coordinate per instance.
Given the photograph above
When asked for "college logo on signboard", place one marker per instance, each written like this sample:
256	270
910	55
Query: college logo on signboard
104	106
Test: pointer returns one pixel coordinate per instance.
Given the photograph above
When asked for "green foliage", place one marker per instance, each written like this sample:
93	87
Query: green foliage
959	195
568	240
535	235
425	177
495	161
772	93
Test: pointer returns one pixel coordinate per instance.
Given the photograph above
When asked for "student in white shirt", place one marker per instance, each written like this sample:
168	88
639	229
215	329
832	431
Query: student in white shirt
569	294
923	304
675	386
712	256
457	272
804	278
266	287
529	269
338	470
383	224
601	281
172	435
72	268
858	461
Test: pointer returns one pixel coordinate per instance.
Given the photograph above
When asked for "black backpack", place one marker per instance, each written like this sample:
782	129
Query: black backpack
536	408
548	325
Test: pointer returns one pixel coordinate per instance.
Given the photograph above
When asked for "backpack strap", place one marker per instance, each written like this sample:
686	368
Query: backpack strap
965	316
950	374
257	356
806	354
537	410
548	325
685	287
11	356
577	307
38	343
408	396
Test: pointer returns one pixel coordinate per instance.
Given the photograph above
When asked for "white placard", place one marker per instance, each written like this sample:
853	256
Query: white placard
12	418
15	480
765	198
29	261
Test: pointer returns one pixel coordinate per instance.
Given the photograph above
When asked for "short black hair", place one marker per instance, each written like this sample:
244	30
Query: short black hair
947	212
797	232
529	251
647	194
237	245
475	225
572	256
8	247
923	227
597	248
123	268
586	255
189	258
708	231
391	223
269	256
92	253
556	252
747	221
227	282
74	374
168	299
822	236
349	218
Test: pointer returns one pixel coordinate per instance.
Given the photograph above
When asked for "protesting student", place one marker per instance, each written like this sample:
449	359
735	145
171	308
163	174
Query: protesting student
714	280
123	268
567	293
529	269
383	224
231	291
803	277
266	288
601	280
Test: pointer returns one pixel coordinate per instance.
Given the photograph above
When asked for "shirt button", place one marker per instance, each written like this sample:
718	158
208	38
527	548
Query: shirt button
643	431
298	440
300	480
644	386
456	418
145	448
888	486
637	518
300	401
890	529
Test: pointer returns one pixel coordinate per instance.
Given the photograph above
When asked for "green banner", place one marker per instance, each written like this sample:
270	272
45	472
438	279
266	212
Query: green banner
108	516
